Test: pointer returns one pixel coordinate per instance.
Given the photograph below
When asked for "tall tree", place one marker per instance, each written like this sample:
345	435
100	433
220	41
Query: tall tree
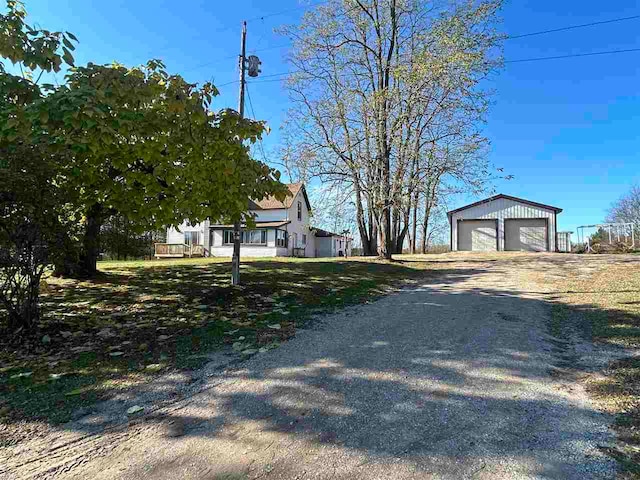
627	209
136	142
34	213
377	85
146	146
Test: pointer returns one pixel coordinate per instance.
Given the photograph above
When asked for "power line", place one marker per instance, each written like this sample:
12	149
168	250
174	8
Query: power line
225	84
608	52
509	37
572	27
253	115
207	64
268	15
520	60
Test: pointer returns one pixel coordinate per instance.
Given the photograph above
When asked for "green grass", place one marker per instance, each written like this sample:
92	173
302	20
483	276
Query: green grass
142	318
606	304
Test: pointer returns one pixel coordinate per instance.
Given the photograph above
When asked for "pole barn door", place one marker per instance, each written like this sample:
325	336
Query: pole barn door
526	234
478	235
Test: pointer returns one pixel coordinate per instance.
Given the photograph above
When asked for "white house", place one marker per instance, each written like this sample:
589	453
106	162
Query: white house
503	222
282	229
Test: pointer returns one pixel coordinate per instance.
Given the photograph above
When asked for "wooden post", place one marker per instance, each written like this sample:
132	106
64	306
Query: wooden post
235	259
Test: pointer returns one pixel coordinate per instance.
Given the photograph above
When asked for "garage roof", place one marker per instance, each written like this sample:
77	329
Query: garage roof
508	197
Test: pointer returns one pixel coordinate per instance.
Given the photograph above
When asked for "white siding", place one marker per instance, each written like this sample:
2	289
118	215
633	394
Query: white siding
564	241
214	241
245	251
300	227
500	209
175	236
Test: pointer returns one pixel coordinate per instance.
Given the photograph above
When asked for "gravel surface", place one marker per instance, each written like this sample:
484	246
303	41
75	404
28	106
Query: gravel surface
451	379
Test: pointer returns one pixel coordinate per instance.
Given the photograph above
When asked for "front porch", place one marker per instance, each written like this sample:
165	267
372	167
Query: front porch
178	250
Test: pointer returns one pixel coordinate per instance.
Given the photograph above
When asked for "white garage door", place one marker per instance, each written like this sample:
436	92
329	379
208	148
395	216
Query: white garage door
477	235
527	234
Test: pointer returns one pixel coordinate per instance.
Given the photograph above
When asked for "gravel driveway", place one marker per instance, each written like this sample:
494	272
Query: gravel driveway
452	379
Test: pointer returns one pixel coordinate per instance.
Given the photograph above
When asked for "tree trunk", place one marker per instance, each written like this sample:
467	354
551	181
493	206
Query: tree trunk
91	241
386	237
403	232
414	223
81	262
373	235
365	238
425	225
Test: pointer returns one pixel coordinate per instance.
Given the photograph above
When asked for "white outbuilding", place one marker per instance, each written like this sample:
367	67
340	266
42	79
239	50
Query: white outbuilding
503	222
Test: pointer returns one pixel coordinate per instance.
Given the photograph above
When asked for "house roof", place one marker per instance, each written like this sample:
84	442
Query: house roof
270	203
258	224
325	233
508	197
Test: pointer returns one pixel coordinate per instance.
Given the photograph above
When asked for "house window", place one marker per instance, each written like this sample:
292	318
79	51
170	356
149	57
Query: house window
247	237
253	237
192	238
281	238
299	210
304	239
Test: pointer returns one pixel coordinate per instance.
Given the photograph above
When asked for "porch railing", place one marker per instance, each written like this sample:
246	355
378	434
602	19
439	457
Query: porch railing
299	251
177	250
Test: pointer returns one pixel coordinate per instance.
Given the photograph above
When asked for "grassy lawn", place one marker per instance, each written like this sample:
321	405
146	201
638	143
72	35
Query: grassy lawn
140	319
607	303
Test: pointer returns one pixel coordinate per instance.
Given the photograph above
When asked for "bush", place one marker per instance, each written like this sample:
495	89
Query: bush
615	247
32	229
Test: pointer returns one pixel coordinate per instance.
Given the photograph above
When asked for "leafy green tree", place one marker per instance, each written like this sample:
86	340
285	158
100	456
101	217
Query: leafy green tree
135	142
33	214
144	144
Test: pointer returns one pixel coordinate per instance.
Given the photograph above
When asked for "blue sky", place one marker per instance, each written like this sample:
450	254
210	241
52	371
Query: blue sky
568	129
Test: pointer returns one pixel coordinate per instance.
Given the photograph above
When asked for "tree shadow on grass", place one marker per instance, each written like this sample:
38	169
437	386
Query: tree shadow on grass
134	323
430	382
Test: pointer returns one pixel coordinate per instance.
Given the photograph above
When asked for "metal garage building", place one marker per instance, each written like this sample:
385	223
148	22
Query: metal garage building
503	222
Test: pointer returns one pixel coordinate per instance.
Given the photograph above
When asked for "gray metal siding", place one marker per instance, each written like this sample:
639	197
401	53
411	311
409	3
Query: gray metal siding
564	241
500	209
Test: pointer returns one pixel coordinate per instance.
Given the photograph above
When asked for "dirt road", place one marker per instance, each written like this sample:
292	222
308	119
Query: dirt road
452	378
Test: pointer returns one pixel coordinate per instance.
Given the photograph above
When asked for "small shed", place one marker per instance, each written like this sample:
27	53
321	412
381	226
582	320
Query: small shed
503	222
329	244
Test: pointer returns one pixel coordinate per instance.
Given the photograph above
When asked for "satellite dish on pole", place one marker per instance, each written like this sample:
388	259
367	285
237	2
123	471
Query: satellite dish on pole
253	65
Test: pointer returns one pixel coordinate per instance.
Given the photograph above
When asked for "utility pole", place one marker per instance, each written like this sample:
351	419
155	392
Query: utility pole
235	260
252	64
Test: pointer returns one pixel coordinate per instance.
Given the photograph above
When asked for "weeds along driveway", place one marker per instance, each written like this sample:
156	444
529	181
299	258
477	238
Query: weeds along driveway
447	379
